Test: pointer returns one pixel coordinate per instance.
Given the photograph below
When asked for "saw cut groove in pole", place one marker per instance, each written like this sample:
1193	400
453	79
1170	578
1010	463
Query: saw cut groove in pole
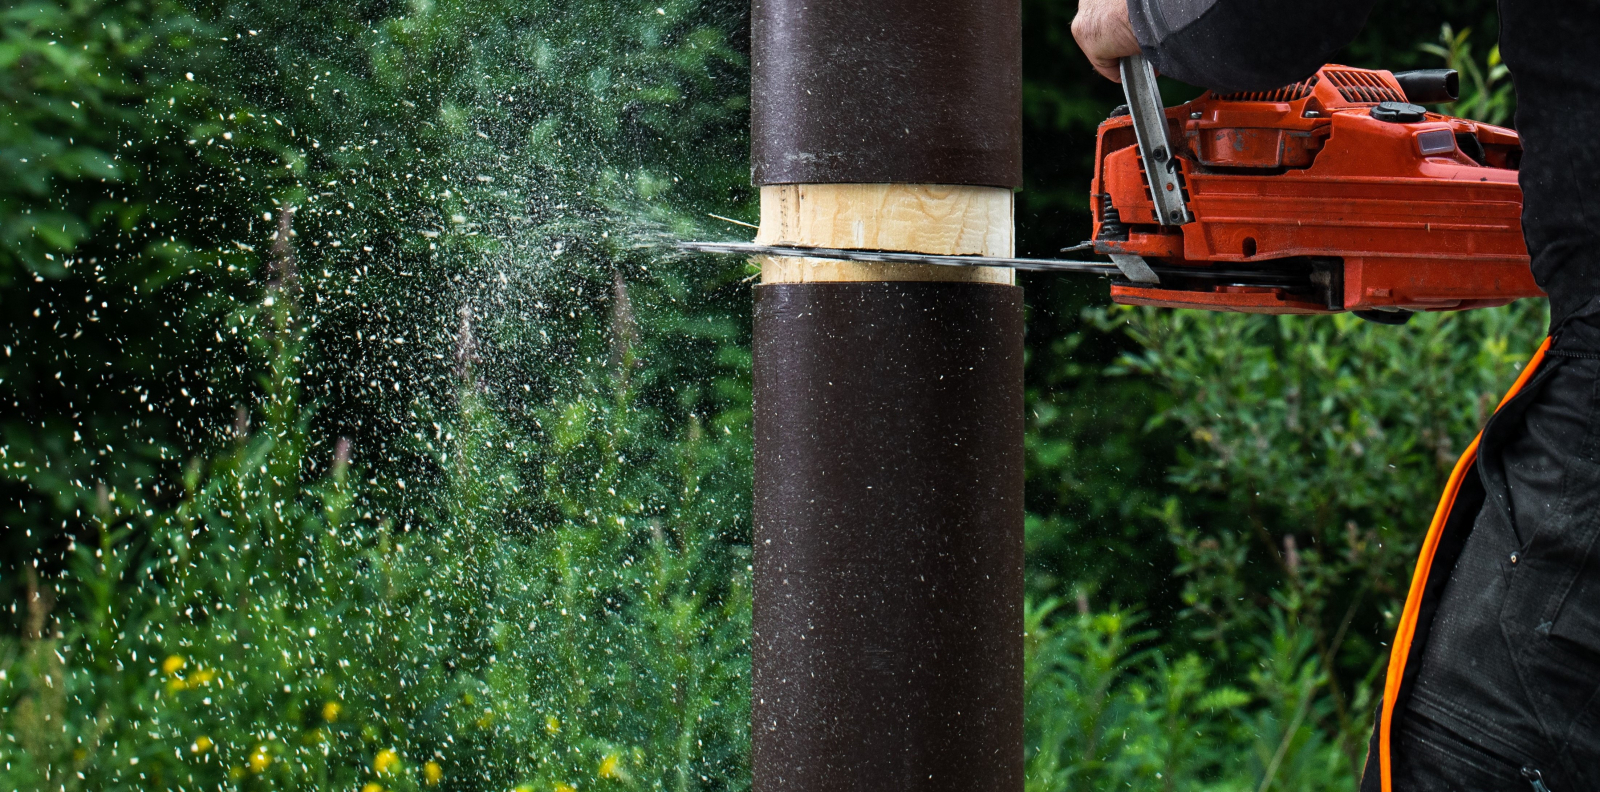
888	399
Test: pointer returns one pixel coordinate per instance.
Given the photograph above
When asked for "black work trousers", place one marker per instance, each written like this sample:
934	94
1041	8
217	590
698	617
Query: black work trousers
1506	696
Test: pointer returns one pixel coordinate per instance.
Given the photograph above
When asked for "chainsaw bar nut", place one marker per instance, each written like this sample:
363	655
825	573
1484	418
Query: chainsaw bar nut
1399	112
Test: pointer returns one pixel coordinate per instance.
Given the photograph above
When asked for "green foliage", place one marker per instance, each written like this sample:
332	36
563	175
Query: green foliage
272	631
1096	486
1486	92
465	492
1104	714
101	297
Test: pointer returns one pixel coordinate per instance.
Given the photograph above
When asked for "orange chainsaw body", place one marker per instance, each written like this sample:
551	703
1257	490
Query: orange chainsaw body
1327	207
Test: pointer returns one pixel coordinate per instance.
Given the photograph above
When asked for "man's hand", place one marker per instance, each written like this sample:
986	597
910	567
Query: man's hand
1103	32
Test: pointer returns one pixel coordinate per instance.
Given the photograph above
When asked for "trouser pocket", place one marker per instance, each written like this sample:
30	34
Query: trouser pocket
1431	758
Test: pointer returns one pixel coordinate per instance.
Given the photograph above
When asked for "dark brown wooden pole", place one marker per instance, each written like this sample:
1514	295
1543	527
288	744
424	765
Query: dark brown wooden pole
888	426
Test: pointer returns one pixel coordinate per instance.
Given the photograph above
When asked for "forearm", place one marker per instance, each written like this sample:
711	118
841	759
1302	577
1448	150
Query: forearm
1243	45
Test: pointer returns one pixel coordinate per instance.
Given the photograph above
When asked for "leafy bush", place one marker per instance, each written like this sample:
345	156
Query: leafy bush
271	630
1104	713
454	508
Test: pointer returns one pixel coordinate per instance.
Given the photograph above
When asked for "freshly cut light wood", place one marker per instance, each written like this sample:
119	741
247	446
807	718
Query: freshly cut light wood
923	218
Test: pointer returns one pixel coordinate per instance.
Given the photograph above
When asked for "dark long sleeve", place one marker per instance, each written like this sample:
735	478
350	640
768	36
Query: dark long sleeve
1553	50
1243	45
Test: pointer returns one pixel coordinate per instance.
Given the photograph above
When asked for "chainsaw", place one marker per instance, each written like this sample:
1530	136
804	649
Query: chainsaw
1336	193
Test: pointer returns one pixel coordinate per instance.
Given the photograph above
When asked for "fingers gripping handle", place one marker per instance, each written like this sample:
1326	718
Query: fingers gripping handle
1155	148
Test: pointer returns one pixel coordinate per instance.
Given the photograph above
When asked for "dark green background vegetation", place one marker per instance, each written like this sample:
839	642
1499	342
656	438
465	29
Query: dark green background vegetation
356	434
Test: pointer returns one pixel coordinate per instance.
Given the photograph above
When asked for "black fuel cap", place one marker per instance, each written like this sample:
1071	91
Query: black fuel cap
1399	112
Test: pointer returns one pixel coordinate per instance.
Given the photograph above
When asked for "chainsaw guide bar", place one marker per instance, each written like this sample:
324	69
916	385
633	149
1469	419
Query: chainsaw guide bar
1277	279
900	257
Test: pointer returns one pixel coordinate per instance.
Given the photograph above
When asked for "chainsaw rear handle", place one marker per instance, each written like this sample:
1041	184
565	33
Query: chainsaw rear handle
1430	86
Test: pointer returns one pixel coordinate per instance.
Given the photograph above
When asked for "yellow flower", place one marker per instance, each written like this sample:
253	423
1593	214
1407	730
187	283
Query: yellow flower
559	788
330	711
176	684
201	744
385	761
260	759
488	718
172	664
372	787
203	677
608	767
551	724
432	772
